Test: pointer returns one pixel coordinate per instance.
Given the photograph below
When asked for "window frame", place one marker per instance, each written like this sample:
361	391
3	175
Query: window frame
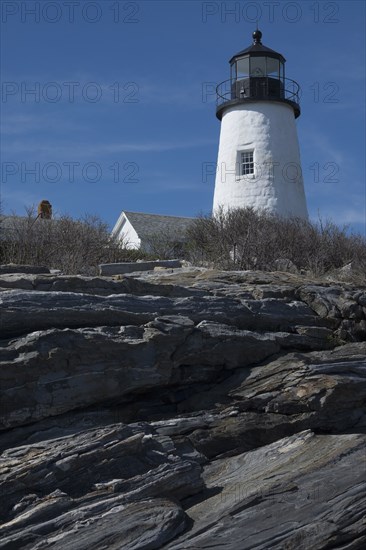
240	164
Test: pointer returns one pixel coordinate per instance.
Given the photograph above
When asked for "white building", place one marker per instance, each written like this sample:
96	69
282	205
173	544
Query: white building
259	159
139	230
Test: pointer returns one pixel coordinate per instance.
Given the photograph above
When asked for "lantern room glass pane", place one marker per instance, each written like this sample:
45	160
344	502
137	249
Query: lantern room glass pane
273	67
233	71
258	66
242	66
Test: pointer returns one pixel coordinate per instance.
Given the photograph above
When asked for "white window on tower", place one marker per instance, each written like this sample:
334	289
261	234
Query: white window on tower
246	163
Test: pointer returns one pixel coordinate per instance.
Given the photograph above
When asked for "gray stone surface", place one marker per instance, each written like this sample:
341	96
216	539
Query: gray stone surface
129	498
130	267
303	491
100	286
26	311
18	268
189	409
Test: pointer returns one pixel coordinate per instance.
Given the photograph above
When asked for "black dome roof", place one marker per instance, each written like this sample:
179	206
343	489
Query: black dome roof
257	49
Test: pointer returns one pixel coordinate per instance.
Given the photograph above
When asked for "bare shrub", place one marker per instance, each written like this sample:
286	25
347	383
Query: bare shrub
244	239
165	245
240	239
73	246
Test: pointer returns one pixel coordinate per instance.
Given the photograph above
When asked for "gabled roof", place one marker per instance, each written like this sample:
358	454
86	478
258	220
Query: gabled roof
147	225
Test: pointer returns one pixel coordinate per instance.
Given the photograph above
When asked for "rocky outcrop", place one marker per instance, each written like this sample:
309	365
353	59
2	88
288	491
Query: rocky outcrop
182	409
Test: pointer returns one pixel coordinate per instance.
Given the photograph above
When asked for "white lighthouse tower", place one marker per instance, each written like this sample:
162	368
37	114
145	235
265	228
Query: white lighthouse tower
259	159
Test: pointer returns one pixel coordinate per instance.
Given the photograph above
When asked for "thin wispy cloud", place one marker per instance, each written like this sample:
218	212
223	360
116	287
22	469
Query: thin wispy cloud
25	124
83	89
156	146
86	150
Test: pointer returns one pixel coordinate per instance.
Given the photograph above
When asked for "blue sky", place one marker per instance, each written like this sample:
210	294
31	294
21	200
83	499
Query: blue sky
123	116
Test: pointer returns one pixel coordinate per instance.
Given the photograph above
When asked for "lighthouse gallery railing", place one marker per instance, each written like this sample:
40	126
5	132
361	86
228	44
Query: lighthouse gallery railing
264	87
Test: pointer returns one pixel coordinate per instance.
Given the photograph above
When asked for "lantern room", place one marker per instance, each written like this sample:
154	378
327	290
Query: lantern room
257	61
257	73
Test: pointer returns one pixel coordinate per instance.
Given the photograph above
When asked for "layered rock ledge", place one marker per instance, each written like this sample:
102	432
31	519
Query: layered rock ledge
182	408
